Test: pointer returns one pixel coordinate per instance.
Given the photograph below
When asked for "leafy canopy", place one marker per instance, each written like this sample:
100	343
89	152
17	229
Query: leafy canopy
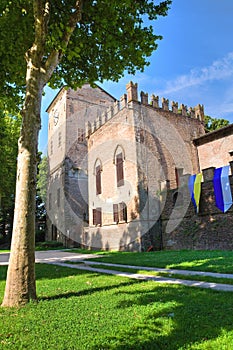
112	36
212	124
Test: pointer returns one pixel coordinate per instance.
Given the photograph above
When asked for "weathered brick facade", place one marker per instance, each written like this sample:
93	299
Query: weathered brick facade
157	146
67	199
119	169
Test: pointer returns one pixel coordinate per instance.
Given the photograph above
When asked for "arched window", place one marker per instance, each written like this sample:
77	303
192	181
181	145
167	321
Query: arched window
119	157
97	173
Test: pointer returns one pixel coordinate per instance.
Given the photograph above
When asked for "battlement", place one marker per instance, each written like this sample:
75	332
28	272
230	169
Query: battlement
127	101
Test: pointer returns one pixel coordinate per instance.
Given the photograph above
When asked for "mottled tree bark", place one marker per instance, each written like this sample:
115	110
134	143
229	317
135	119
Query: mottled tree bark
20	285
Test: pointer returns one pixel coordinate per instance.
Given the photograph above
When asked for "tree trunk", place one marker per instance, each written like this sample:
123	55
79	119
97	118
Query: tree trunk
20	284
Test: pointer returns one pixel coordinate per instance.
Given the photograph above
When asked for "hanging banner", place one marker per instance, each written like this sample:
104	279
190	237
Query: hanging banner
222	188
194	185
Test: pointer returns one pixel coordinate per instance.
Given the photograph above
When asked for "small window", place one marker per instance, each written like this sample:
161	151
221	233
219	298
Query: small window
97	216
123	211
120	212
120	169
98	179
81	137
115	213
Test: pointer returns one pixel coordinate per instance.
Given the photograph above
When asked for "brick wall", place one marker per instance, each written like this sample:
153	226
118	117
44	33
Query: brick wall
183	228
215	148
67	153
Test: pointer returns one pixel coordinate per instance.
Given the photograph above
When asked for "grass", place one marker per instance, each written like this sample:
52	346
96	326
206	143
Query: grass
212	261
163	274
79	310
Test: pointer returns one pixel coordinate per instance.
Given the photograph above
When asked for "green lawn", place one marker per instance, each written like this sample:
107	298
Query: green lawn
213	261
80	310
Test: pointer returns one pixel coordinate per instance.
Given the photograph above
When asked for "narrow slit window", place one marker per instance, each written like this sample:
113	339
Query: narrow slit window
120	169
98	180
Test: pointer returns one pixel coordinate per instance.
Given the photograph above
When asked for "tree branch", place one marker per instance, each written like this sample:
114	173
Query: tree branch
56	55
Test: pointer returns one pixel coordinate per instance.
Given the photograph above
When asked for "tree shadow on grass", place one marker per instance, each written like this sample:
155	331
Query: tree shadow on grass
177	317
46	271
89	290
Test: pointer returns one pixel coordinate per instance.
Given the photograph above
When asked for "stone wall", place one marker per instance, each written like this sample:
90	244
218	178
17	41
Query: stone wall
210	229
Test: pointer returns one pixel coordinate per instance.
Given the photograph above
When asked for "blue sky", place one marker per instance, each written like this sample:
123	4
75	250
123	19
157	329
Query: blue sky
193	63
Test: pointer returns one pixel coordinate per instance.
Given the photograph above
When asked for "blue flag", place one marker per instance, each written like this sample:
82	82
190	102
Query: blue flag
194	185
222	188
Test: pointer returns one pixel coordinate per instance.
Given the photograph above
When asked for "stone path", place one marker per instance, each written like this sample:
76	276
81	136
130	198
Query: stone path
85	265
62	258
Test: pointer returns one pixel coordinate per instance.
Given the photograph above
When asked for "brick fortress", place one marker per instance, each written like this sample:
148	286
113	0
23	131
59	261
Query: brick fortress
118	173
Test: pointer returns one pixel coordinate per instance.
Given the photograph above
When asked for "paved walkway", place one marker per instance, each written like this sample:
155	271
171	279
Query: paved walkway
62	258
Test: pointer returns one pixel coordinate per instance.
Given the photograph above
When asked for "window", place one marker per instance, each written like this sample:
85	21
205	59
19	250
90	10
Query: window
98	179
81	137
119	169
97	216
115	213
120	212
123	211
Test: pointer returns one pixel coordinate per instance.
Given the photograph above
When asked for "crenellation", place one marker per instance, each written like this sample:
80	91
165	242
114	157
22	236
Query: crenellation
104	117
199	112
191	112
93	127
88	128
116	107
165	104
109	112
132	91
144	98
123	101
98	121
183	109
128	99
174	107
155	101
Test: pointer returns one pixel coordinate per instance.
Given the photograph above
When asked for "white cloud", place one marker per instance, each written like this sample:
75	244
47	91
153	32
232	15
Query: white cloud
218	70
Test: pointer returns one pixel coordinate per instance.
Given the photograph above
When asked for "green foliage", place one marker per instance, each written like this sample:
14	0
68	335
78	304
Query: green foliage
85	310
42	178
41	194
212	124
110	37
9	134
